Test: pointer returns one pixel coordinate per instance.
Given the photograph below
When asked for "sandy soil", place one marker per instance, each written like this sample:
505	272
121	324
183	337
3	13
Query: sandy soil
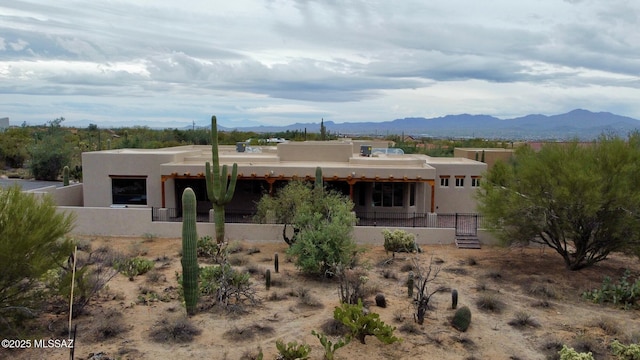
532	281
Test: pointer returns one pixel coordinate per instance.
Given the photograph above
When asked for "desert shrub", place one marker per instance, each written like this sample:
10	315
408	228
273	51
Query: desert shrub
174	330
207	247
567	353
155	276
133	267
226	284
306	298
410	328
523	319
248	332
389	274
608	325
625	352
624	293
361	324
89	280
490	303
31	244
109	325
292	350
351	284
541	291
399	241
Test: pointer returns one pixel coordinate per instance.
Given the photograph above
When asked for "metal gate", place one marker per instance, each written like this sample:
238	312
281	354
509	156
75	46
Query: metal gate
466	224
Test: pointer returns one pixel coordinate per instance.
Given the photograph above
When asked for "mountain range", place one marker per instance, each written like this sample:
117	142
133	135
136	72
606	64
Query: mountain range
577	124
580	124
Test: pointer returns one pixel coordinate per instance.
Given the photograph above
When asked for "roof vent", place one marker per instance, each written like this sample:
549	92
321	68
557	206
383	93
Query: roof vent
365	150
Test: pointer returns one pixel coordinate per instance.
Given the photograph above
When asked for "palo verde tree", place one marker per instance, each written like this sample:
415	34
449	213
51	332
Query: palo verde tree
220	187
581	201
322	221
32	242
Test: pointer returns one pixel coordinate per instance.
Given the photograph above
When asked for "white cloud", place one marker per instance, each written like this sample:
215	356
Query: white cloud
282	61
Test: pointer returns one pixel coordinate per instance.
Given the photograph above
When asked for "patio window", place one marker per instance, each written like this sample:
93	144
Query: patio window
129	190
388	194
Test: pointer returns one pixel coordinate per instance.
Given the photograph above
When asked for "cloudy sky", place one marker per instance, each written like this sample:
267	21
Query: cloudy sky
276	62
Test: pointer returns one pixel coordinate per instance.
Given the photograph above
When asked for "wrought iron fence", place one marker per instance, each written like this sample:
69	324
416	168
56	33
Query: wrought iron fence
465	224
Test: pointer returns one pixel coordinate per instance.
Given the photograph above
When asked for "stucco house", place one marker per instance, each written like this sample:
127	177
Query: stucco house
378	181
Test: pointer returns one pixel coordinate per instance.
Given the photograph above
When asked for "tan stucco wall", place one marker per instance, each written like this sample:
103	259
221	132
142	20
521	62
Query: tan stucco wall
454	199
491	155
135	222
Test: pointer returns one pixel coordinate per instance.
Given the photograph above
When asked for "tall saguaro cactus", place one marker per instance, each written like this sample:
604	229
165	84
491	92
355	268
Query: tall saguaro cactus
220	187
189	251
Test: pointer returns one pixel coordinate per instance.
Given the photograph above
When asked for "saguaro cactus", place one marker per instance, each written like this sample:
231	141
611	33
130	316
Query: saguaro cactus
189	251
318	182
276	263
65	176
220	187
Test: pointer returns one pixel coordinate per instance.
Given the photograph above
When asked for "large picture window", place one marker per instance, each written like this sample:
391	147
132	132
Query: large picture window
129	190
388	194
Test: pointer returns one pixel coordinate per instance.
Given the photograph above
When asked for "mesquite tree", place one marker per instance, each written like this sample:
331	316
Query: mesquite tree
580	200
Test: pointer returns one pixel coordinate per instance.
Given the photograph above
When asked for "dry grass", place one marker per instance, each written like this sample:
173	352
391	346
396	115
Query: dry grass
174	329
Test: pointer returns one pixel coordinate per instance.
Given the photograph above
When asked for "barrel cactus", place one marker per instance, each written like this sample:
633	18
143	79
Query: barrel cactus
462	319
189	251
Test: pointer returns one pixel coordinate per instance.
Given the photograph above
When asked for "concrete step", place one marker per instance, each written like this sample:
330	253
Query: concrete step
468	243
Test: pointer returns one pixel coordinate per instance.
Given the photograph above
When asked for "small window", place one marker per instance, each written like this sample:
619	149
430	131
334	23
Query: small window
475	182
129	190
444	181
459	182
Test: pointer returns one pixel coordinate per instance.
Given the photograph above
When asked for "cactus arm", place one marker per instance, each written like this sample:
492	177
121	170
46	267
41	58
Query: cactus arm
232	183
189	251
209	180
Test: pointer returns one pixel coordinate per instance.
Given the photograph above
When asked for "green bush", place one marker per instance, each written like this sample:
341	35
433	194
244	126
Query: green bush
568	353
133	267
624	293
226	283
207	247
32	242
292	350
399	241
625	352
361	324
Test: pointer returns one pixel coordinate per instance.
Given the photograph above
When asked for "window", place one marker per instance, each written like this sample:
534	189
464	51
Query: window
459	181
475	181
129	190
388	194
444	181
